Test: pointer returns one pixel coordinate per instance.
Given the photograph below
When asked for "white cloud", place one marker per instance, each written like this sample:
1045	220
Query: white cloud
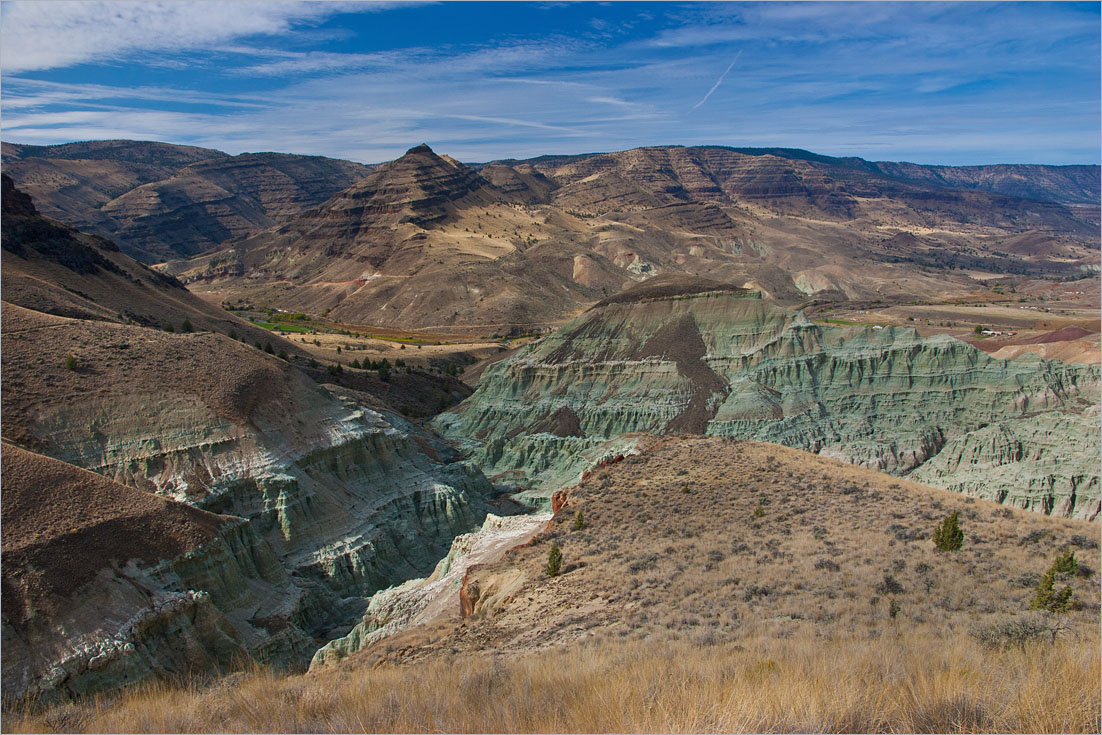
479	101
46	35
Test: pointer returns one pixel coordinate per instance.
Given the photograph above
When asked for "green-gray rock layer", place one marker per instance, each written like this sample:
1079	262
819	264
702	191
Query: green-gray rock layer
728	363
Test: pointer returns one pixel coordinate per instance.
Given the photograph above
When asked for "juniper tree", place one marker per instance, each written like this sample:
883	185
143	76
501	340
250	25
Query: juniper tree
554	561
948	536
1046	598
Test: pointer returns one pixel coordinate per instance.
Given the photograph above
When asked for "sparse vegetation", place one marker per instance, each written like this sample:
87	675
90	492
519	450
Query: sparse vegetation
949	536
721	628
1045	596
554	561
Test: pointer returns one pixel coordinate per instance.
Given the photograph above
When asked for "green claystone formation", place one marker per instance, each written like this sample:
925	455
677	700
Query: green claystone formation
730	364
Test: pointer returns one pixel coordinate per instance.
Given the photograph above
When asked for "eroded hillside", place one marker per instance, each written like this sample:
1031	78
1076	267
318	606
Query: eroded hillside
160	201
702	358
710	585
426	242
313	498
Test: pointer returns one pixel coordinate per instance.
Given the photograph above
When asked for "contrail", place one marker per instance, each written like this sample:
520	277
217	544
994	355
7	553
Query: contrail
718	81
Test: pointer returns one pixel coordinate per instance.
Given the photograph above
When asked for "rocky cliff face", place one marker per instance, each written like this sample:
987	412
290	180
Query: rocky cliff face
730	364
208	503
337	502
161	201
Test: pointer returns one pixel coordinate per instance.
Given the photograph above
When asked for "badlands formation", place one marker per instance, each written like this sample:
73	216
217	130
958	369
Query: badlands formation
298	502
186	490
688	356
426	242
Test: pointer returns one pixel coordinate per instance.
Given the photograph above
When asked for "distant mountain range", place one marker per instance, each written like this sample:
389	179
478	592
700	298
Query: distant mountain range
161	201
428	242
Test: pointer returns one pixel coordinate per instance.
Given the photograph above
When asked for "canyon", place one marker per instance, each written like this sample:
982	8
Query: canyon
304	500
194	480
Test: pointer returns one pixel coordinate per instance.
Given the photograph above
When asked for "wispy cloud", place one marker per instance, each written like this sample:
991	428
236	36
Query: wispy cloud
941	82
718	81
46	35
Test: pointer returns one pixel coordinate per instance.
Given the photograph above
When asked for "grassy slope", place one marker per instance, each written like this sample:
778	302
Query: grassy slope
695	611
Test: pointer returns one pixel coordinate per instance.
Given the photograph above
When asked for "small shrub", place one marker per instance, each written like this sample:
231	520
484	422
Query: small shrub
186	326
646	561
1026	580
903	533
312	363
759	511
948	536
71	362
754	591
889	586
1017	630
268	348
1065	563
893	608
233	334
827	565
579	522
1033	537
1083	542
1046	598
554	561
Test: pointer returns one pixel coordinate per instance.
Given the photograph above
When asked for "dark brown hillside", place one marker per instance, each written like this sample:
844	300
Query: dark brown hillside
160	201
52	268
64	525
209	202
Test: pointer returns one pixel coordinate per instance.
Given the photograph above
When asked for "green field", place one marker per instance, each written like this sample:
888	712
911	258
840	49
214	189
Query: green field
284	327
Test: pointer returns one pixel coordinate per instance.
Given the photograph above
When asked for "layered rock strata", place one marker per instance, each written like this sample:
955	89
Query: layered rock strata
274	508
714	361
438	596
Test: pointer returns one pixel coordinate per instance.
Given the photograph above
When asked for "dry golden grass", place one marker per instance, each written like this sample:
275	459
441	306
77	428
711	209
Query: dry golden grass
911	680
716	586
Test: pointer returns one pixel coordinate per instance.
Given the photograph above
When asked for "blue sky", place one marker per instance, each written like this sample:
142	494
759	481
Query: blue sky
953	83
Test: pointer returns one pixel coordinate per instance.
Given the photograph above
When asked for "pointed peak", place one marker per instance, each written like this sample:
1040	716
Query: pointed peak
420	150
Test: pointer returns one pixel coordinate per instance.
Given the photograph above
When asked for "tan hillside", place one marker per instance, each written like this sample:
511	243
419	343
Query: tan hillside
427	243
714	586
704	538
